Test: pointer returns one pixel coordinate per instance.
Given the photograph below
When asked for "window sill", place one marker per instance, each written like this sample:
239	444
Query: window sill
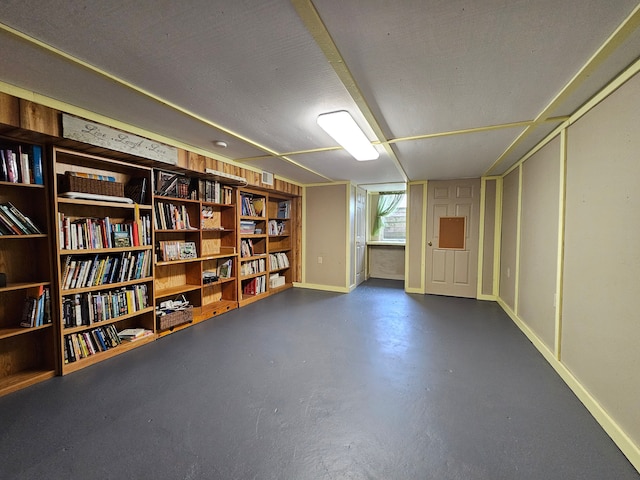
385	243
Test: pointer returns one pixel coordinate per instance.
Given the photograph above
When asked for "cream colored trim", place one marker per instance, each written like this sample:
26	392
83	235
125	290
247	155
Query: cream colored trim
626	28
616	83
497	237
617	434
483	204
325	288
491	298
562	201
516	300
314	24
423	237
303	240
349	258
486	128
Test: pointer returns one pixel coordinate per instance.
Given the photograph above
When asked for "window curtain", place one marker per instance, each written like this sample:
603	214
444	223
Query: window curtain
387	203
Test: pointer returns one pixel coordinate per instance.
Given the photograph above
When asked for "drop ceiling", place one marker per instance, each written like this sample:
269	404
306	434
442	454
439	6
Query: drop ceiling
445	89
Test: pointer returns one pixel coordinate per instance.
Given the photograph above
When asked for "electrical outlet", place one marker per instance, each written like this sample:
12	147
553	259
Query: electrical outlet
319	259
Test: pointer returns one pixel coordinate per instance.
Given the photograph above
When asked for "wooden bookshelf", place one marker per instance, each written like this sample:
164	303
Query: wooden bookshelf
207	219
252	246
112	243
282	245
27	354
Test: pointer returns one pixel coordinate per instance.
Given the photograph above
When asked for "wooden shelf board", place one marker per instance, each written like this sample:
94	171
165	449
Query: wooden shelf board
23	286
177	262
82	328
23	379
215	256
169	292
253	275
217	230
253	235
22	237
219	282
214	204
12	332
276	270
280	288
106	286
247	299
176	230
112	352
21	185
175	199
254	257
88	251
97	203
247	217
279	250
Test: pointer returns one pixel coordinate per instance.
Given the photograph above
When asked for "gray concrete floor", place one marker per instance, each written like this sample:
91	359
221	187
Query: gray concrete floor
376	384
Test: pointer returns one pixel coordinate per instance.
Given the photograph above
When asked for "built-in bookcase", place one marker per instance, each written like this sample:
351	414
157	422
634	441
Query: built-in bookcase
281	243
252	246
104	256
195	245
27	330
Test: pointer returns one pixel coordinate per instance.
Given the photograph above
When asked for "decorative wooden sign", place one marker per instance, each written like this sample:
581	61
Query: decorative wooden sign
86	131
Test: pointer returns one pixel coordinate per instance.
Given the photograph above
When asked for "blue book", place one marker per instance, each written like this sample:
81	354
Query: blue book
37	165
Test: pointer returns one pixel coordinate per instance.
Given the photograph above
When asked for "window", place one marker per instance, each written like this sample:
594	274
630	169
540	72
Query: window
389	215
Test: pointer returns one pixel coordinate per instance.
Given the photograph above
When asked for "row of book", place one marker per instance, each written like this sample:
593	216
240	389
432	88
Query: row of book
284	209
105	269
84	344
277	227
21	164
255	286
170	184
278	260
168	216
14	222
215	192
94	233
223	270
252	206
247	248
37	307
92	307
253	266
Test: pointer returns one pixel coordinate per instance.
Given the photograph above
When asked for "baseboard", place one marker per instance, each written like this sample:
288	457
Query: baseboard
610	426
326	288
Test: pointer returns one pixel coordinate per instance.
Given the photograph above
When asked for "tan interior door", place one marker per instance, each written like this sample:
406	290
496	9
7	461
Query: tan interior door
453	214
361	198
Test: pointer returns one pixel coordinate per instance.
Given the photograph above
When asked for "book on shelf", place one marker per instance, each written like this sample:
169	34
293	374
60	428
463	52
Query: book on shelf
215	192
254	286
92	176
252	206
171	250
136	189
98	233
253	266
284	209
170	184
94	307
225	268
133	334
246	248
84	344
21	164
169	216
14	220
104	269
277	227
278	261
37	307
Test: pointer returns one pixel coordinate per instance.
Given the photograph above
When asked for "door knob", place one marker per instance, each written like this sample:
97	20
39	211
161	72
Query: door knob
430	244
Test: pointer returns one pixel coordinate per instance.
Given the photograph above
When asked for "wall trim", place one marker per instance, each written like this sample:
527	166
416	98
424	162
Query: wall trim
325	288
617	434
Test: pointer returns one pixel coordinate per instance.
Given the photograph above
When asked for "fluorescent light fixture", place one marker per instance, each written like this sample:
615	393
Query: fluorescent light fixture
344	130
